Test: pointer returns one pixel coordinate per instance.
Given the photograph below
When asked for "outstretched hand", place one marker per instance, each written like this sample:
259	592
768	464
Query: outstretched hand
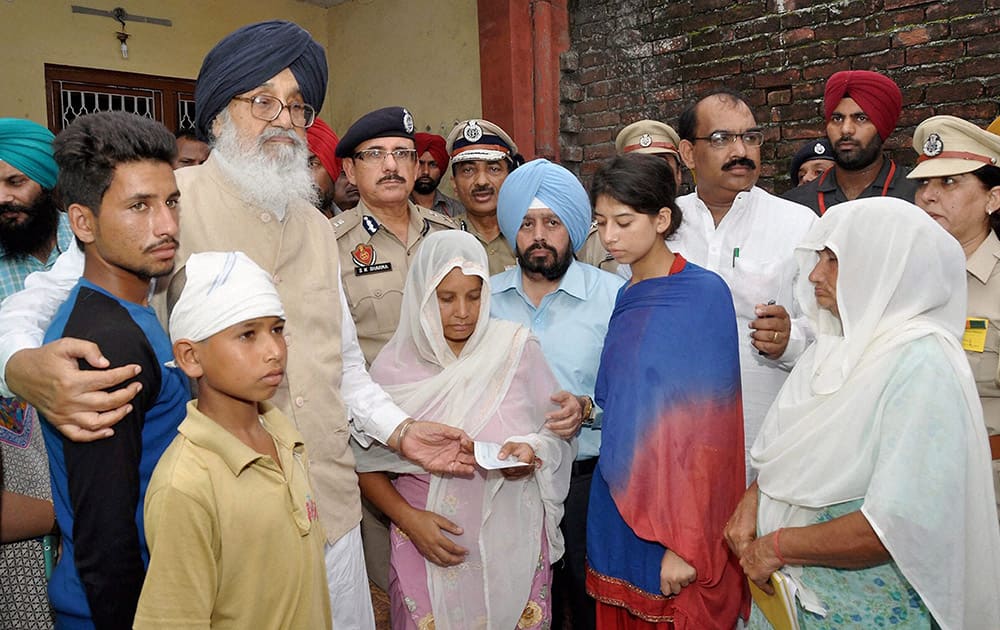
439	448
72	399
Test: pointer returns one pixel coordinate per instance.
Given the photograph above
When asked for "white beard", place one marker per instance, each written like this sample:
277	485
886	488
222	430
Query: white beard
269	176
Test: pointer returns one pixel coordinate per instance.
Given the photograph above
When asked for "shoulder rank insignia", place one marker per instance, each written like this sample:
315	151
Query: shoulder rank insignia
370	224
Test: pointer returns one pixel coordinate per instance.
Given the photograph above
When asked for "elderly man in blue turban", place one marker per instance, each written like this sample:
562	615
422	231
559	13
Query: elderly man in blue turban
545	214
258	91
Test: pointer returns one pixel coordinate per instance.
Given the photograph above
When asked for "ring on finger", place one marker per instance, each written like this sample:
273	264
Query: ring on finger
775	338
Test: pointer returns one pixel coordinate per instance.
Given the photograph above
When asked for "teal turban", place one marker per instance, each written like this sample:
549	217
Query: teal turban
552	184
27	146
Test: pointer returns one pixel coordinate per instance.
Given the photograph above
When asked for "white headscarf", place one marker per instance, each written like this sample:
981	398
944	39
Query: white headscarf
221	289
837	433
425	378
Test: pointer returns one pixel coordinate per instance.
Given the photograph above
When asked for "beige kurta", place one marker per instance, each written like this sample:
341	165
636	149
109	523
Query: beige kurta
373	266
983	272
300	253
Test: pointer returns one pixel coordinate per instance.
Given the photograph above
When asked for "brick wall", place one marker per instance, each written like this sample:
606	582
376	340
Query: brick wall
635	59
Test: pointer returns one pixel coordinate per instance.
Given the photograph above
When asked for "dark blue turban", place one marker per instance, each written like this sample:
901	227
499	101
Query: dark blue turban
251	55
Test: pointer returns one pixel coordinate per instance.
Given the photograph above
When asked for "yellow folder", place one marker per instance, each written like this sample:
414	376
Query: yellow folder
780	607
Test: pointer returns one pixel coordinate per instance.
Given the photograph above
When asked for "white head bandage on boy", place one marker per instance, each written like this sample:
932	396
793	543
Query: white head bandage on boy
221	289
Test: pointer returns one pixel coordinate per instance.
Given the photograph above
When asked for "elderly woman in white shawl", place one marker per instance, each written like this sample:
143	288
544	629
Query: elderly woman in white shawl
468	553
873	493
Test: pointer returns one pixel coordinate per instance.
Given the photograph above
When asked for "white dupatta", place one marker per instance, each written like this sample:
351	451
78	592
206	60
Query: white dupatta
883	407
425	378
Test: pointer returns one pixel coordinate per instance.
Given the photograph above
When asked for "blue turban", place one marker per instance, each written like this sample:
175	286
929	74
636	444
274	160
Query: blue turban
559	189
27	146
251	55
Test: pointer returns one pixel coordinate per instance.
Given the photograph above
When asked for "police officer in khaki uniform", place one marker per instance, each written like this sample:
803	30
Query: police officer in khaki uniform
642	136
958	175
482	155
377	237
375	240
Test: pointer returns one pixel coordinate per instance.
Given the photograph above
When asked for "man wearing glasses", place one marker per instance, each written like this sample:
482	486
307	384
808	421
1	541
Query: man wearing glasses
376	240
257	92
748	237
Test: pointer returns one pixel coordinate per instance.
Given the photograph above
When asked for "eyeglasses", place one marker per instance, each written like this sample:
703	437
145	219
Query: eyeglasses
719	139
379	155
268	108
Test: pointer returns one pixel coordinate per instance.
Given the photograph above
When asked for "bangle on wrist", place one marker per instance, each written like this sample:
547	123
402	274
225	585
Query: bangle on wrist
777	547
588	409
402	433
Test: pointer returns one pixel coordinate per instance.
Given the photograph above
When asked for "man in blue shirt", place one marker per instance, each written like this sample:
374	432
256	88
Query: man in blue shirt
545	214
117	181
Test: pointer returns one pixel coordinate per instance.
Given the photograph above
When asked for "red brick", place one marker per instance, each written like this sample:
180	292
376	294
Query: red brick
808	17
895	4
920	35
591	74
671	44
921	76
602	88
598	152
810	52
956	8
856	46
977	67
823	71
839	30
596	136
954	92
979	25
947	52
599	119
796	36
776	79
879	62
590	105
779	97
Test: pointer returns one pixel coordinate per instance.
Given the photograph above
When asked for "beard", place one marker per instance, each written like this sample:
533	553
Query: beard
23	239
863	156
549	270
270	176
425	185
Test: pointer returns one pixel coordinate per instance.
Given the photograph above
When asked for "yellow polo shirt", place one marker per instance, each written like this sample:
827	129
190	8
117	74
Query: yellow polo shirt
234	540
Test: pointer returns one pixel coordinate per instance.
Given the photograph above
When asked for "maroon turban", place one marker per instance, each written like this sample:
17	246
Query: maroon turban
877	95
428	142
323	144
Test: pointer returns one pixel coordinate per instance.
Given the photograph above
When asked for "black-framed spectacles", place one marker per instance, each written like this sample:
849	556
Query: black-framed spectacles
720	139
379	155
268	108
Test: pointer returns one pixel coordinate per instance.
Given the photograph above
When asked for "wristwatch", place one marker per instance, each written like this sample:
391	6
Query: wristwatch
588	411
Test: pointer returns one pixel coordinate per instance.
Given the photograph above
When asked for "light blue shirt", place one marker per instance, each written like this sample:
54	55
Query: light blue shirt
570	323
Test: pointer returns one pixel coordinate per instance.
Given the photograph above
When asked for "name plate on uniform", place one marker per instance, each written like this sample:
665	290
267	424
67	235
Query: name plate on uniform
377	268
974	339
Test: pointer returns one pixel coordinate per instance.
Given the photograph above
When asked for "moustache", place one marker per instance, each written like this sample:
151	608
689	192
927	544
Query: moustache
282	133
391	177
741	161
167	241
482	189
426	178
544	246
14	207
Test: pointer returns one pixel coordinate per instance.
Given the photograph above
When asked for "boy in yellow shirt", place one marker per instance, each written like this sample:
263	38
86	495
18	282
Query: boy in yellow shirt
232	527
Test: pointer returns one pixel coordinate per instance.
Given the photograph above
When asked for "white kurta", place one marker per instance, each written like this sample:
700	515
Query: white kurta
752	249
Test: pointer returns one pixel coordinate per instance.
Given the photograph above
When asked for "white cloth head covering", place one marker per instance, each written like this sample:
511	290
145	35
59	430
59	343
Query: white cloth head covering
474	391
221	289
883	407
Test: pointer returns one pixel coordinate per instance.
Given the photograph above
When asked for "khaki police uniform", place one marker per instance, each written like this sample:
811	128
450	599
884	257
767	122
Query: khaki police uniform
593	252
498	251
951	146
983	268
373	268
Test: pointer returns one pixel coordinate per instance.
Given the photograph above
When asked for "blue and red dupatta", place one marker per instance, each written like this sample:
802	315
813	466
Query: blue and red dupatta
671	467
